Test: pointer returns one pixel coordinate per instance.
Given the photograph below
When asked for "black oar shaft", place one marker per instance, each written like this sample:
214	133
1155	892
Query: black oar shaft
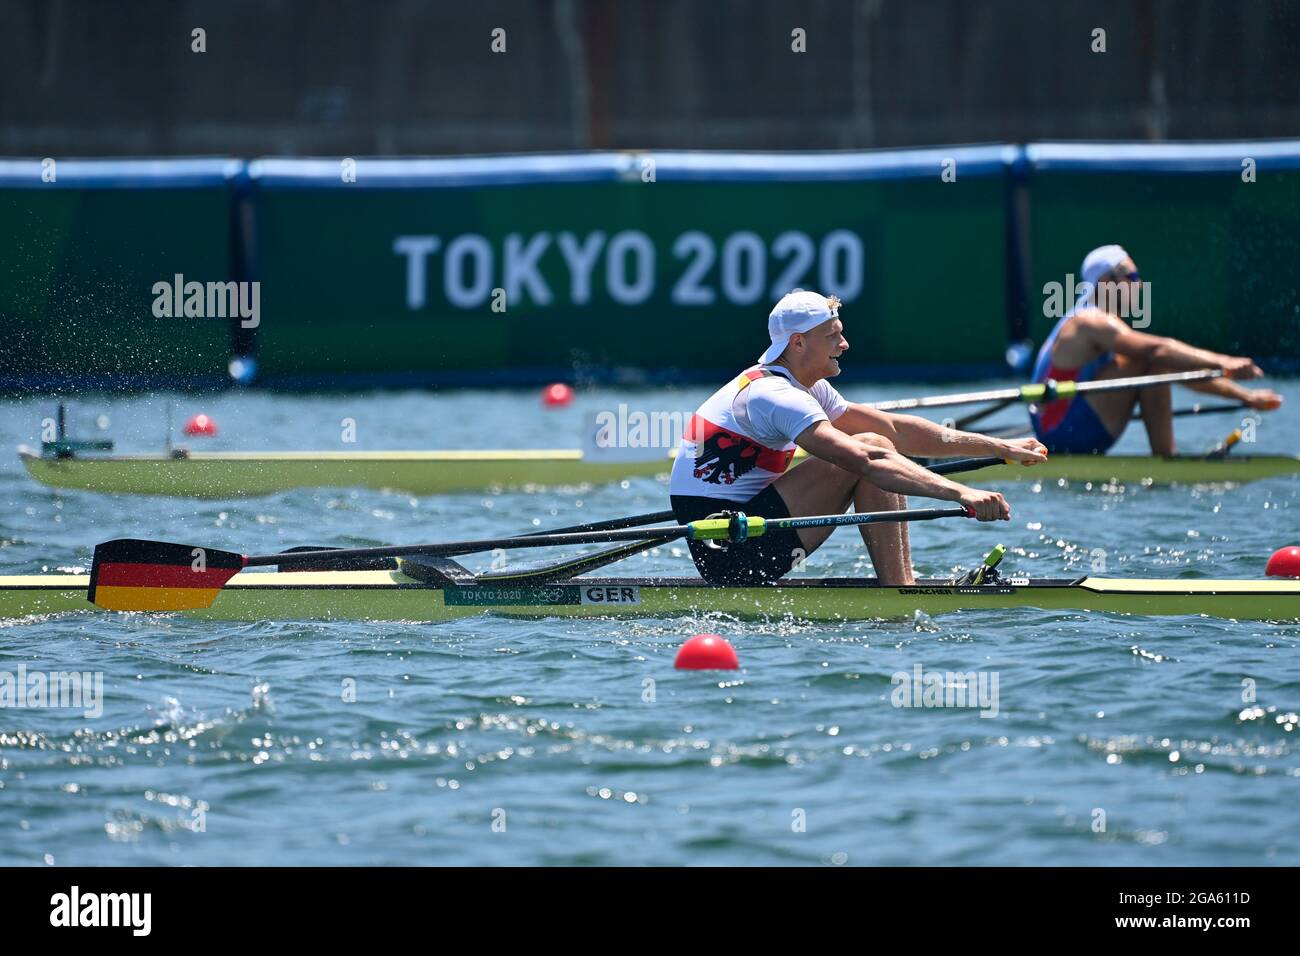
875	517
1017	431
612	524
966	421
454	548
1201	410
1041	391
958	465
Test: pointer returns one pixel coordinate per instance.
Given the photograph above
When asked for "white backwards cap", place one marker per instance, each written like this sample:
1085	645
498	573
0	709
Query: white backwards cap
797	311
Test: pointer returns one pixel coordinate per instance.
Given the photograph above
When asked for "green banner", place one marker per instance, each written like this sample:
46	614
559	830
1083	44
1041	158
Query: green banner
680	273
80	257
1214	241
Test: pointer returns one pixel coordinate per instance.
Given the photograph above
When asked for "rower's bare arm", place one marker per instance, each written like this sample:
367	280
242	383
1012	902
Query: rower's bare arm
891	471
922	438
1110	334
1169	354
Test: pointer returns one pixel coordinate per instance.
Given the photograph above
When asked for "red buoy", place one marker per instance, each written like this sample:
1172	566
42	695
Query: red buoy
706	652
1285	563
200	425
557	395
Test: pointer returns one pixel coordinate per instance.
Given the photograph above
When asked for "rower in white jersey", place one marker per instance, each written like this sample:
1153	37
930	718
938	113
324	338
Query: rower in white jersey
739	443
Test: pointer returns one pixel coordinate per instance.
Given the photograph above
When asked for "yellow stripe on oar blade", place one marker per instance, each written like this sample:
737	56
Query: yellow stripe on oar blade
154	599
134	575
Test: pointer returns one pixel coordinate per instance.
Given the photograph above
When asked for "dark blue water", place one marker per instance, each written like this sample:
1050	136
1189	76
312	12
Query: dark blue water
1116	740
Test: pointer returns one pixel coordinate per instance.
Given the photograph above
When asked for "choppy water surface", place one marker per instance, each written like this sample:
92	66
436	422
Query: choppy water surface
488	741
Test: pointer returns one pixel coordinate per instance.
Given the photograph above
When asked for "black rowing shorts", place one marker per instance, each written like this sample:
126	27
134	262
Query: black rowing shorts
760	560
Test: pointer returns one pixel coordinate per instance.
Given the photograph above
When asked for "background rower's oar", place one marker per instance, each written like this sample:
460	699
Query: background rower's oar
612	524
1024	431
967	421
1199	409
1046	391
130	574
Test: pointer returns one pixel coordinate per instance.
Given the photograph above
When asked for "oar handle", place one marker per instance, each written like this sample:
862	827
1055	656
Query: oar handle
454	548
740	527
612	524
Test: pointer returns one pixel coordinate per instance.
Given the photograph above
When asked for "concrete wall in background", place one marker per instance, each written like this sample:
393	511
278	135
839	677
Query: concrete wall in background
101	78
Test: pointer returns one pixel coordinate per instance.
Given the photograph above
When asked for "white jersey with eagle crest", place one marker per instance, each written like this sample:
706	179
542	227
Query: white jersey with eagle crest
742	438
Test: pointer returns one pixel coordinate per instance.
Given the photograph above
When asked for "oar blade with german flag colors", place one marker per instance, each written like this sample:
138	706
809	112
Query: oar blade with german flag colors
130	574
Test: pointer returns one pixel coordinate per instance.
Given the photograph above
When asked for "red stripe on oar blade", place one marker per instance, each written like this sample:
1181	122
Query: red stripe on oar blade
135	575
161	576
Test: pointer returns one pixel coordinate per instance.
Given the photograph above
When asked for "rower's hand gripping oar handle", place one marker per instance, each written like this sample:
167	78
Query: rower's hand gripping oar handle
735	527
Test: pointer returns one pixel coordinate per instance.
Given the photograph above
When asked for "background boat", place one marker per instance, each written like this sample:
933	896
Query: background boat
248	474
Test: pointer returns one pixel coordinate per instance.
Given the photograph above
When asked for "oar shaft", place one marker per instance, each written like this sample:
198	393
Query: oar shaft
940	401
1201	410
454	548
872	517
612	524
1017	431
969	421
959	465
1046	391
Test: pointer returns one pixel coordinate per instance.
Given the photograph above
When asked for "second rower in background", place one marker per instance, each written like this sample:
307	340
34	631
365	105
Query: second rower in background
1091	343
